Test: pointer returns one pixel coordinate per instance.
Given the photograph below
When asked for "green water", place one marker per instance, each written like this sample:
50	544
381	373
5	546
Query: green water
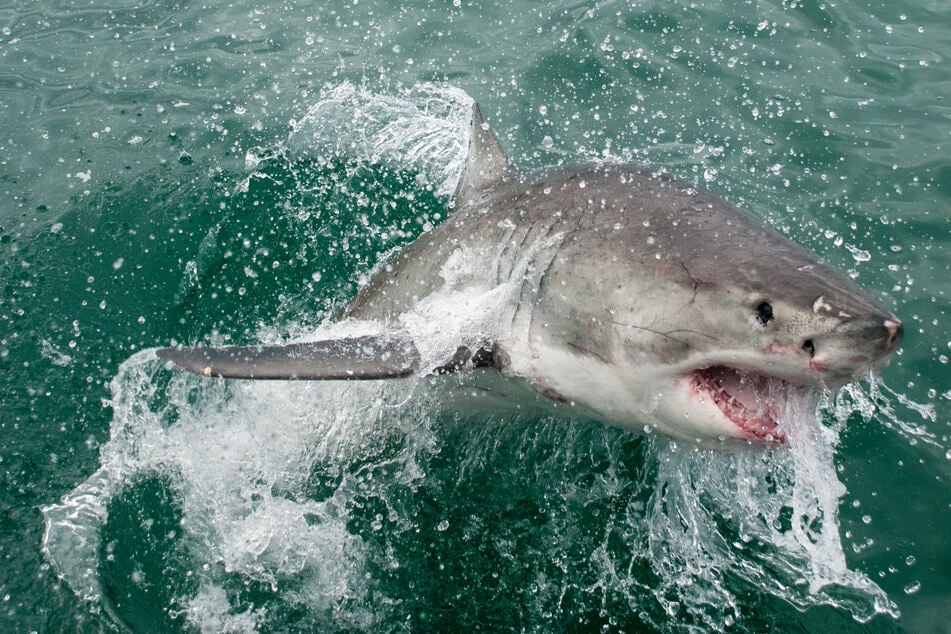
154	192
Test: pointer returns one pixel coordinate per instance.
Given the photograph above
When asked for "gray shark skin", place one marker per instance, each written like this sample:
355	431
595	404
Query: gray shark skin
636	297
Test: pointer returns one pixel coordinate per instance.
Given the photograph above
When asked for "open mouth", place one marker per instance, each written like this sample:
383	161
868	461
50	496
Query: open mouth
751	401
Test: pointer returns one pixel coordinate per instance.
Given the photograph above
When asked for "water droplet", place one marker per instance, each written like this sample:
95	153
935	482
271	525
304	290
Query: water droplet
860	255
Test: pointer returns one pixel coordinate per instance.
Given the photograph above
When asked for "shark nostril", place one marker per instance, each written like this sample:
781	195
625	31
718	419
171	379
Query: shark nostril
809	347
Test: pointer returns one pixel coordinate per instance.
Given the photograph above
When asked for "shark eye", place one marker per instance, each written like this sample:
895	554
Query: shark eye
764	313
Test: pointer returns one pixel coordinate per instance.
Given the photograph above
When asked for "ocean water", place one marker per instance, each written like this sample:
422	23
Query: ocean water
232	172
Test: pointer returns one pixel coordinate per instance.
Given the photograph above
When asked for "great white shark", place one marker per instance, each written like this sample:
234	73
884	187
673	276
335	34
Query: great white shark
639	298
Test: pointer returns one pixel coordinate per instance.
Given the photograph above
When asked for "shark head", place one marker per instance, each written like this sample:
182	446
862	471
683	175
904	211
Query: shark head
741	352
694	319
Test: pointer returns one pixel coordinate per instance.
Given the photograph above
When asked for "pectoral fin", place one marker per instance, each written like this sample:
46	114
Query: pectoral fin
354	358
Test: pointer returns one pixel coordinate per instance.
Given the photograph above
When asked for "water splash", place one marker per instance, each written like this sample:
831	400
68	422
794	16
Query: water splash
240	457
717	525
317	494
883	403
424	128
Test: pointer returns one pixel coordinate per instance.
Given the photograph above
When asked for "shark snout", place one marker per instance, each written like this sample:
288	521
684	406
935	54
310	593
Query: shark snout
881	334
854	347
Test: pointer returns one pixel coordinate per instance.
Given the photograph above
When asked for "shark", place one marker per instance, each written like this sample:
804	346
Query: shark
638	298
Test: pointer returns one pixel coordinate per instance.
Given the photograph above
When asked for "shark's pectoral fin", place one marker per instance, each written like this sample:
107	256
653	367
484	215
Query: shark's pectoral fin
354	358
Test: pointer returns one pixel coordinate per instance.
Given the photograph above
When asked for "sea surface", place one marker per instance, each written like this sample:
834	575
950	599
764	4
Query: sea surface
232	172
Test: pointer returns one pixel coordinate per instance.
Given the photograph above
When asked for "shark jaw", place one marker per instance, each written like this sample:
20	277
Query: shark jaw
710	404
752	402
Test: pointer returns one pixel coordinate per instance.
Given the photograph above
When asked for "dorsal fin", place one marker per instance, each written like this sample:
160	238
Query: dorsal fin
486	164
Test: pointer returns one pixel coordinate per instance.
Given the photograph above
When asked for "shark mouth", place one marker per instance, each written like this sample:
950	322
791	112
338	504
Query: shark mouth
750	401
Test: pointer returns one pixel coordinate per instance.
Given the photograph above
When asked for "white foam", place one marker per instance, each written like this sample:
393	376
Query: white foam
210	612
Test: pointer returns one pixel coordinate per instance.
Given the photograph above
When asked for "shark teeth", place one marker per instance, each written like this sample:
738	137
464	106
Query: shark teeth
745	398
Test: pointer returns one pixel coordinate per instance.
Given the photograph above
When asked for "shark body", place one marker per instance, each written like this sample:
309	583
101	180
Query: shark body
640	298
